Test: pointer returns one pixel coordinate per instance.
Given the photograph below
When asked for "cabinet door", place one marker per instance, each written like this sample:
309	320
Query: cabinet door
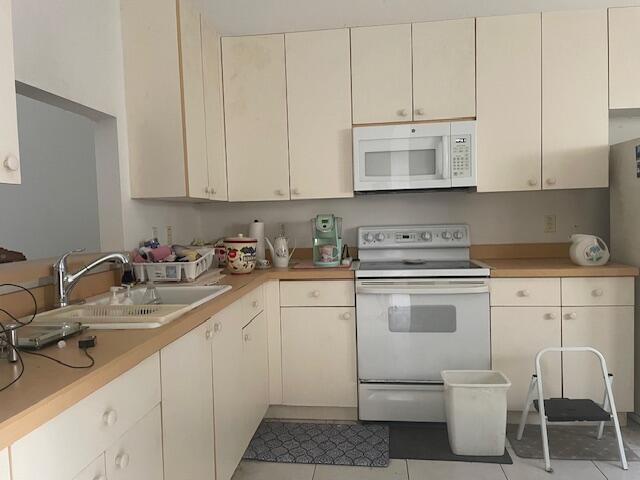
319	349
610	331
444	69
509	103
256	117
214	116
229	395
255	375
517	335
575	107
381	74
319	106
624	51
5	472
187	406
193	99
96	470
137	455
9	155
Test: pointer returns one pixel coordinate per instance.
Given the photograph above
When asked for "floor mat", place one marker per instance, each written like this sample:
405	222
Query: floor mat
320	443
568	443
430	441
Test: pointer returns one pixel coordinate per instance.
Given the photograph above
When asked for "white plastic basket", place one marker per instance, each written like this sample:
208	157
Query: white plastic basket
174	271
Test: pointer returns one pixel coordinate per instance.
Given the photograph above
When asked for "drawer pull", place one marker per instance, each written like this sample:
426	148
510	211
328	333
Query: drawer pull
247	337
208	334
315	293
598	292
217	327
571	316
255	304
122	461
110	418
550	316
524	293
346	316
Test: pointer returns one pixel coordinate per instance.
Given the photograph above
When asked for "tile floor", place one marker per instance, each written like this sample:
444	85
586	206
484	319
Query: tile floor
522	469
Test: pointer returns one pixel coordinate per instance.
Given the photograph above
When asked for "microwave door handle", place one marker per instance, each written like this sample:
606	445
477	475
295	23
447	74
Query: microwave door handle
446	161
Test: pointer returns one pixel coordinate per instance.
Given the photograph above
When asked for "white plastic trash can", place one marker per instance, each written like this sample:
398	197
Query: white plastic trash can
476	408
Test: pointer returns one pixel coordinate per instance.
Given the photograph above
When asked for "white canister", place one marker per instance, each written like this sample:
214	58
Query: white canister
241	254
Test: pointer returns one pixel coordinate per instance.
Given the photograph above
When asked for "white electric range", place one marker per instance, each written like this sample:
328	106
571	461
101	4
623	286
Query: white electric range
422	307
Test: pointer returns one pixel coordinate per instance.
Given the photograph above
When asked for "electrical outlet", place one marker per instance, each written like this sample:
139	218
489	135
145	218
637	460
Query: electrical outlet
169	235
154	232
550	224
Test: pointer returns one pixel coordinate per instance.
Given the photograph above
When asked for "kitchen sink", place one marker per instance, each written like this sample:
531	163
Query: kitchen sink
98	313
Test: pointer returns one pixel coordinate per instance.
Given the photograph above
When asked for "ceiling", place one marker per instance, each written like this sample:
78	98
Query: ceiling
245	17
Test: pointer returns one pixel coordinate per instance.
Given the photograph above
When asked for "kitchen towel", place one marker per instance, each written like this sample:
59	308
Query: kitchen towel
256	230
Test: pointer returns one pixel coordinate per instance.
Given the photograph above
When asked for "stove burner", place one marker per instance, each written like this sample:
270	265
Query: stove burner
415	261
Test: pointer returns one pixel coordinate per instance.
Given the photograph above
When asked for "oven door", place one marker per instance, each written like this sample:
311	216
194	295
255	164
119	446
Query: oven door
399	157
409	330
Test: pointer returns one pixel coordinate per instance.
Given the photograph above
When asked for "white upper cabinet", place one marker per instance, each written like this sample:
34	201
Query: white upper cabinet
193	99
509	103
214	115
255	108
319	108
5	473
624	52
381	74
9	154
575	122
444	69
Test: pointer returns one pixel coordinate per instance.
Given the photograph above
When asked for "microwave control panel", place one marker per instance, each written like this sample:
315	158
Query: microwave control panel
461	156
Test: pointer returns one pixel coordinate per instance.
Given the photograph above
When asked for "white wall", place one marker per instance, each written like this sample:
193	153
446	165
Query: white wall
73	49
55	209
493	217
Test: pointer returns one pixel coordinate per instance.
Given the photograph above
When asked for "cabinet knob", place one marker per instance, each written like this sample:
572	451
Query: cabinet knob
280	193
99	477
217	327
247	337
206	189
295	191
419	111
598	292
524	293
315	293
403	112
533	182
551	181
122	460
346	316
110	418
550	316
571	316
208	334
255	304
11	163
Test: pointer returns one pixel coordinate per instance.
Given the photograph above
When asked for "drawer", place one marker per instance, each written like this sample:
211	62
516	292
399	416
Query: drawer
252	304
598	291
529	292
79	434
322	293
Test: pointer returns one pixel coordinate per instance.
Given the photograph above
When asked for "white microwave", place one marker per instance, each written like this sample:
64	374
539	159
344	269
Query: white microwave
414	156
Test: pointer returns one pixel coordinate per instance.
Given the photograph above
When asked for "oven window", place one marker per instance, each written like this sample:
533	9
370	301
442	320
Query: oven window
422	319
400	163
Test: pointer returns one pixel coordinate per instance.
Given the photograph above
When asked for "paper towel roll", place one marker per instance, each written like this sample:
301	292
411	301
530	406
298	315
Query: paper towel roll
256	230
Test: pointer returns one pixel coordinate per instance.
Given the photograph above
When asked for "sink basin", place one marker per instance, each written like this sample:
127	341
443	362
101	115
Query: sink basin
97	313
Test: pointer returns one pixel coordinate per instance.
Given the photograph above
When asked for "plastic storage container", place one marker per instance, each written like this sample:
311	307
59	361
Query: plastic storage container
476	408
174	271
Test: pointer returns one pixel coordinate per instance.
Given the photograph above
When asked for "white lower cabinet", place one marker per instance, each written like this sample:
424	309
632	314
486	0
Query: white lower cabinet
96	470
255	372
319	356
5	472
187	406
137	455
610	331
540	326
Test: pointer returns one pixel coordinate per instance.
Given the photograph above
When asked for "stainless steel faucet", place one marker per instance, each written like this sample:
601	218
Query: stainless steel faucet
65	281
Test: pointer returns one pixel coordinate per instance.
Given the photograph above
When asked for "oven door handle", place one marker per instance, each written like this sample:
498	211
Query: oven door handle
421	290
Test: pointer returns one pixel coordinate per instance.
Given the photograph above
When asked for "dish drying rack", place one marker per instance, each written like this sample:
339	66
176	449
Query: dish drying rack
173	271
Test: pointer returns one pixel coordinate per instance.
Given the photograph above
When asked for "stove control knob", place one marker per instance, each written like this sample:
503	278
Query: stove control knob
426	236
446	235
458	235
368	237
380	237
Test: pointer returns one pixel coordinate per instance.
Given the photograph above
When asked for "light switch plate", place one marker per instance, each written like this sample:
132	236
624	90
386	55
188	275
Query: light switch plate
550	223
